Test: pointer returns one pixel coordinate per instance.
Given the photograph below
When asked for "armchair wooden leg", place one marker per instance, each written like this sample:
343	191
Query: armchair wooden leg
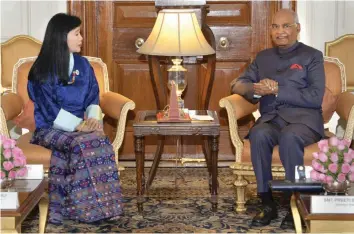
43	212
240	184
296	215
120	167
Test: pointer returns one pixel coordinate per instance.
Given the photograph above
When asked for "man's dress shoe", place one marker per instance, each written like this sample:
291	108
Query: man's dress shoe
265	216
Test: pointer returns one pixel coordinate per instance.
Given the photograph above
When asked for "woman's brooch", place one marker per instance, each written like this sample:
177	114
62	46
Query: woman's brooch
75	73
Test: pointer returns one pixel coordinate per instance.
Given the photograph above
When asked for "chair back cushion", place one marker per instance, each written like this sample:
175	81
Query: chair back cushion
21	70
12	50
343	49
334	72
101	73
20	80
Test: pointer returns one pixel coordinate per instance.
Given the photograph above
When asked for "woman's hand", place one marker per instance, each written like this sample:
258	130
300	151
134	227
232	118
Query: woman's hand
94	124
90	125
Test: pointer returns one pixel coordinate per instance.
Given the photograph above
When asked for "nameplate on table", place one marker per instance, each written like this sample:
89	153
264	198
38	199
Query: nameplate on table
322	204
34	172
9	201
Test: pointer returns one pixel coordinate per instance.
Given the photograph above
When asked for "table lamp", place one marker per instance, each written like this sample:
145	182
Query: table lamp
176	33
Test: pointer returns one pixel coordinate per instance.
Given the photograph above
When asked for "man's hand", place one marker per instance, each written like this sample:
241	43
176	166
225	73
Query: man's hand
265	87
272	84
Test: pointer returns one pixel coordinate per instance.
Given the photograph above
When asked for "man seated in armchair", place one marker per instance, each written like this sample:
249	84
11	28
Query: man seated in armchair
289	82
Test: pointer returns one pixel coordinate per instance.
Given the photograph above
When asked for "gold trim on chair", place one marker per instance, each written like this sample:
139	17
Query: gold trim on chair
348	135
13	39
4	130
336	41
235	137
342	70
296	214
15	69
4	89
118	140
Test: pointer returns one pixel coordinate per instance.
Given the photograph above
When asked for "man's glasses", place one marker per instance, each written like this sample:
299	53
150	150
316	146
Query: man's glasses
284	26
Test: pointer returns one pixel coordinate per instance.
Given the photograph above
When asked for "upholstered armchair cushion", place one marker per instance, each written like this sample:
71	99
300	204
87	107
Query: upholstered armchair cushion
329	105
11	105
343	49
100	72
20	46
112	104
334	87
35	154
26	118
345	106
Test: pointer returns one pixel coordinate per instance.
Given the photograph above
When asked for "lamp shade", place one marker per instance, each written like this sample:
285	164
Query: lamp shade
176	33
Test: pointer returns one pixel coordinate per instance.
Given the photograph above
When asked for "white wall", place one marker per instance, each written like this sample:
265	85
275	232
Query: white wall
27	17
323	21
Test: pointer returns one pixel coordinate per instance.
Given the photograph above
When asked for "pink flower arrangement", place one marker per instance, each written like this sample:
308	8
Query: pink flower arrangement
334	161
13	161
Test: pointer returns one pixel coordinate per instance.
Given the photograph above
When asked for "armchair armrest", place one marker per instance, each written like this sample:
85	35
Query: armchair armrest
112	104
117	107
11	106
345	110
236	107
239	105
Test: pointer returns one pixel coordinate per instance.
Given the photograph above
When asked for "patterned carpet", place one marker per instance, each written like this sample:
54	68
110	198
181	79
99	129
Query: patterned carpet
178	201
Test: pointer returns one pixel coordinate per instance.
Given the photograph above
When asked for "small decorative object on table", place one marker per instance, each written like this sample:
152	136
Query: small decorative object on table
333	165
173	114
13	162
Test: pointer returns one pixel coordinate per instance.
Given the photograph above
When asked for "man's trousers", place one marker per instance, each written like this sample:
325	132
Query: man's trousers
291	138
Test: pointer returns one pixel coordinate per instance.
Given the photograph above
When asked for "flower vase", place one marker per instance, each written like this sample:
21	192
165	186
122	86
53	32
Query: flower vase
336	188
7	183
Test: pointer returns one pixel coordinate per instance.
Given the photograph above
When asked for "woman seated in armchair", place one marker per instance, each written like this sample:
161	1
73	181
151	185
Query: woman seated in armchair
83	177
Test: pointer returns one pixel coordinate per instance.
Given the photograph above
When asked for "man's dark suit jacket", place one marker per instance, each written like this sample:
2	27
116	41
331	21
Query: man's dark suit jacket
299	71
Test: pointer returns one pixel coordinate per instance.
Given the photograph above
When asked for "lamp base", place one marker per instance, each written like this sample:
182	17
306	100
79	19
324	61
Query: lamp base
163	118
173	114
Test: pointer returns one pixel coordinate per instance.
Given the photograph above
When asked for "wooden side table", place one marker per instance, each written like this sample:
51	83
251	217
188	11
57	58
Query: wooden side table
146	125
29	197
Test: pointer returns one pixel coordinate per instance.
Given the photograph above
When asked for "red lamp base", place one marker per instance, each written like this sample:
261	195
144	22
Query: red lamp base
173	114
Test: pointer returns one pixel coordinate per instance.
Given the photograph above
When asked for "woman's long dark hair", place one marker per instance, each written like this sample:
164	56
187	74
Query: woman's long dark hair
53	59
